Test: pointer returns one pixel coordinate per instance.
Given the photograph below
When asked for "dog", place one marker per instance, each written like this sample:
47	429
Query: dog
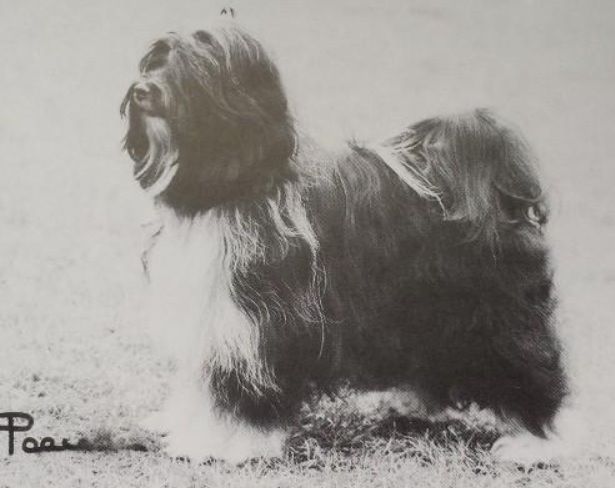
281	269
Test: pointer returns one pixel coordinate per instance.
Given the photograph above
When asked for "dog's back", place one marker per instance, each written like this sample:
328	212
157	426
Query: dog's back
442	282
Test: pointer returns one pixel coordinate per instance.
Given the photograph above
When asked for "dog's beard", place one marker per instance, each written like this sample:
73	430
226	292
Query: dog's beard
158	166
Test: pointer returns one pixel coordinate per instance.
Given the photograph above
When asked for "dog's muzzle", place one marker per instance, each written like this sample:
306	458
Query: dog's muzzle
143	97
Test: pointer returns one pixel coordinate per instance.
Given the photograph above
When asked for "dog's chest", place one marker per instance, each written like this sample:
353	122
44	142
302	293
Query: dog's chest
187	258
188	284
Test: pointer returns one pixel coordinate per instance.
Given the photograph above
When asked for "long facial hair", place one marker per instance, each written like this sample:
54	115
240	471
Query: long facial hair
218	128
154	151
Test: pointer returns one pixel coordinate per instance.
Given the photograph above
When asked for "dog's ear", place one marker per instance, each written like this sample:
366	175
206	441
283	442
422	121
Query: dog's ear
126	101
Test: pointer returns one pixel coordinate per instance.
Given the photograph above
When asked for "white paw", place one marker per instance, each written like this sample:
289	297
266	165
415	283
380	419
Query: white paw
197	431
185	445
239	446
527	449
160	422
233	444
251	443
566	439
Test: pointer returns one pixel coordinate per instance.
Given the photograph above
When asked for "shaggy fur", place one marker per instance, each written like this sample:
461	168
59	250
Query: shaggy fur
416	263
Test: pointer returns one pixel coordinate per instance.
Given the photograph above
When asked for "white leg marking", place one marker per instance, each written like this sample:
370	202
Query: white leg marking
174	407
200	433
566	440
195	319
157	422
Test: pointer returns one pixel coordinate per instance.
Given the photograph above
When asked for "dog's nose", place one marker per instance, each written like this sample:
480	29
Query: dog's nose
141	94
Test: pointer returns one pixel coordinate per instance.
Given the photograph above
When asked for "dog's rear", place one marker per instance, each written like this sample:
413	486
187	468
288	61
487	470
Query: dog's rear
479	295
480	169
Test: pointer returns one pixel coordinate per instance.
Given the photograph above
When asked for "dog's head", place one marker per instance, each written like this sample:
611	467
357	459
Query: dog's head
207	119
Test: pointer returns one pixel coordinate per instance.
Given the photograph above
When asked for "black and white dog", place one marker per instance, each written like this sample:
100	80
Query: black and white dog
281	269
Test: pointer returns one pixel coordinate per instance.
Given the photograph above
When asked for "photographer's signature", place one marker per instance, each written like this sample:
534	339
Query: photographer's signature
23	422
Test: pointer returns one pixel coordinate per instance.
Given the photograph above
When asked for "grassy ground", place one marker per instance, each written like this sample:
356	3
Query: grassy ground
72	356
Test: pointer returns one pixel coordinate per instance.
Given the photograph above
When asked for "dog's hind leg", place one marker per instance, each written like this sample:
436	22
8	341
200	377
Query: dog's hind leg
530	393
518	373
491	299
495	345
565	438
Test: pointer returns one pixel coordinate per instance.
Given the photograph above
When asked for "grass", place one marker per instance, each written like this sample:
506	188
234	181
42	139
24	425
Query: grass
72	353
74	358
336	445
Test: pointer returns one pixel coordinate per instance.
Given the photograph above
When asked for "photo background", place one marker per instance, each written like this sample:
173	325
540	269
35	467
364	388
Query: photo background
70	215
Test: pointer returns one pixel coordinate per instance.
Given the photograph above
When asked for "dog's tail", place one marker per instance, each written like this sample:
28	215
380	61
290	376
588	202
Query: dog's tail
480	171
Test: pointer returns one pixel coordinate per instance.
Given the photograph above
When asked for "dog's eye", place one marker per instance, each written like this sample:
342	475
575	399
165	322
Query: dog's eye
154	62
156	58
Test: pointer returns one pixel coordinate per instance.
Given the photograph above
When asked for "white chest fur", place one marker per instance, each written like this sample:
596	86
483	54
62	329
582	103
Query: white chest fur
192	313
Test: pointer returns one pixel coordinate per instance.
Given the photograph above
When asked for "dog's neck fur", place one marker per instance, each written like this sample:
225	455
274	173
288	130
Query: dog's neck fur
203	255
190	193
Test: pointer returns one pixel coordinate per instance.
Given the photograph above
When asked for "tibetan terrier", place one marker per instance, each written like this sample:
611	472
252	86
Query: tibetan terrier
281	270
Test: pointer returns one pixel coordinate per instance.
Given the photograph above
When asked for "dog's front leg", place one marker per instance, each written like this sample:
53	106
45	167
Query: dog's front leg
198	430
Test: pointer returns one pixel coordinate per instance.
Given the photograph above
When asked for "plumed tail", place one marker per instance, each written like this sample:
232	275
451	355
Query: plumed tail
481	172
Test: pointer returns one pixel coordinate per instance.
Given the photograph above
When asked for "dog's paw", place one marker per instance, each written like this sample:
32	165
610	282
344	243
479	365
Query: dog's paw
188	447
567	438
527	450
158	422
233	446
250	443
